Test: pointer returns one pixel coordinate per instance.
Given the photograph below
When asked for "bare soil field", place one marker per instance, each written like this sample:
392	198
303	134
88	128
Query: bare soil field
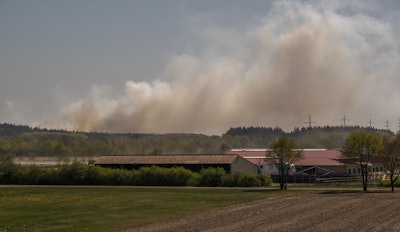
322	211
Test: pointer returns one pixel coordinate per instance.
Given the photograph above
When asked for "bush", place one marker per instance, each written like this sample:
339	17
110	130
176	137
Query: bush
7	168
157	176
386	183
249	180
150	176
265	180
194	180
231	180
35	175
212	177
178	176
80	174
120	177
73	174
92	176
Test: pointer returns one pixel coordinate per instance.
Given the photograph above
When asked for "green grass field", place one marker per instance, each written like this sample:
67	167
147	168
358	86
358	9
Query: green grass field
110	208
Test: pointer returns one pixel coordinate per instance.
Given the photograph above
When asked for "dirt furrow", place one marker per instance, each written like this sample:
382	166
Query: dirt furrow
307	212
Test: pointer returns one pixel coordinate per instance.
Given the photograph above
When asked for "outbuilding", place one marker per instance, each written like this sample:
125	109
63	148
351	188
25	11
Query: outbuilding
316	164
195	163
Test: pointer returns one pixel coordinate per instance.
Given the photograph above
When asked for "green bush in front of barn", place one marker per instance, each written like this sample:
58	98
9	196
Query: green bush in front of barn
81	174
158	176
212	177
246	180
256	180
386	183
218	177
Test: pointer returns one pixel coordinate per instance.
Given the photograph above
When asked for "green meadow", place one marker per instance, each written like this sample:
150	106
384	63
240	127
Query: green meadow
111	208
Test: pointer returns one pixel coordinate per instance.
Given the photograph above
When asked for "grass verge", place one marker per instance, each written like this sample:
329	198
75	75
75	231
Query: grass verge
111	208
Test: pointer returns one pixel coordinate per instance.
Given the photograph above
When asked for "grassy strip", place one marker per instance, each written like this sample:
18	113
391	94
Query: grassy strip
110	208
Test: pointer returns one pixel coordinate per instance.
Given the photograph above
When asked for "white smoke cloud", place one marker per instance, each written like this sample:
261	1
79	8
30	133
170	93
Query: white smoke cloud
301	59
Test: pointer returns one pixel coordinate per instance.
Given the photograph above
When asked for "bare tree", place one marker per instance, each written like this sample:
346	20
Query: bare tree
361	146
284	152
391	152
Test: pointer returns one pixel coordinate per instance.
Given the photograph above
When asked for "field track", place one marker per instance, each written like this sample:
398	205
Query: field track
323	211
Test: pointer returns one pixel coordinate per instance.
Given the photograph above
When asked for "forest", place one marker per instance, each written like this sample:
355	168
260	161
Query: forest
21	140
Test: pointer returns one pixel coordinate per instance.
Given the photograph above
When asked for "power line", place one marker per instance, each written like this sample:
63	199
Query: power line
344	119
370	122
387	124
310	122
398	132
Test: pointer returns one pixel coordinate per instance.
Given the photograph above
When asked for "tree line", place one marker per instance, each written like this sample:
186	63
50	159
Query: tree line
26	141
330	137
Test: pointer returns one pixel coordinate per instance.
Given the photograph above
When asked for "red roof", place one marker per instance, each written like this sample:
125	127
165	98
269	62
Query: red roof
312	157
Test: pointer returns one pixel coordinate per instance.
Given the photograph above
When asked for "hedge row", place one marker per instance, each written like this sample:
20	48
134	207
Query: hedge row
80	174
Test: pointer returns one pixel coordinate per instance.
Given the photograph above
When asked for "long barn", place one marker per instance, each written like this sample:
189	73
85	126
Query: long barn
195	163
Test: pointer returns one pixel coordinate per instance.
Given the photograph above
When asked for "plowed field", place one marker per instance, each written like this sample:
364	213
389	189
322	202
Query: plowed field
323	211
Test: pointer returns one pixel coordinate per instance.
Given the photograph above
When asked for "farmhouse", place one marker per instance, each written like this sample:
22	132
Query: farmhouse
230	163
316	163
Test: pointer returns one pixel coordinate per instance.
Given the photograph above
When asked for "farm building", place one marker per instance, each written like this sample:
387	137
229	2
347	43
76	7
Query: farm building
230	163
52	161
316	163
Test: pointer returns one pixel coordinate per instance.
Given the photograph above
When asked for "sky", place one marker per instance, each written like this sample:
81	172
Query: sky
198	66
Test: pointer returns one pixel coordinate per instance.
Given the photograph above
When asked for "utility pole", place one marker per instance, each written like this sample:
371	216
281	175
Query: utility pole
370	122
344	119
398	132
310	122
387	124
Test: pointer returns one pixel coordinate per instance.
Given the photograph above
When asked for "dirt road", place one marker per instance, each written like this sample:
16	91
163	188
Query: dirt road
374	211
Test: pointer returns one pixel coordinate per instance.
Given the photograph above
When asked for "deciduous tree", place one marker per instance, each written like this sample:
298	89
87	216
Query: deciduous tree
283	152
391	152
362	146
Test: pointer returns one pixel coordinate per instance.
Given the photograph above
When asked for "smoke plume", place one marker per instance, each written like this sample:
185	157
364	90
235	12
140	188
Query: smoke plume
299	60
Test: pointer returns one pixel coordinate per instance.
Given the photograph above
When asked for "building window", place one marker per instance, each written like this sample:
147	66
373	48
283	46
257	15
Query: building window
354	171
359	171
349	171
381	169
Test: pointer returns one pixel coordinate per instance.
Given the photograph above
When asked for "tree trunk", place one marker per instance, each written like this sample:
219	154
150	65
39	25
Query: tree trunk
281	176
391	181
365	183
282	181
285	181
364	173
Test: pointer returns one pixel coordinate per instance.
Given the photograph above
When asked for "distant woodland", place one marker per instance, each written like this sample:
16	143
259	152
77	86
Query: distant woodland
20	140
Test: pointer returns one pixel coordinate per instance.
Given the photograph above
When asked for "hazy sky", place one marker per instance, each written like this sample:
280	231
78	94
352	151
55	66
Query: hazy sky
198	66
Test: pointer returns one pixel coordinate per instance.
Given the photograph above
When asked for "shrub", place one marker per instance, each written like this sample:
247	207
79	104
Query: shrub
265	180
92	176
386	183
7	168
231	180
73	174
151	176
158	176
120	177
246	180
28	175
194	180
212	177
249	180
80	174
178	176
